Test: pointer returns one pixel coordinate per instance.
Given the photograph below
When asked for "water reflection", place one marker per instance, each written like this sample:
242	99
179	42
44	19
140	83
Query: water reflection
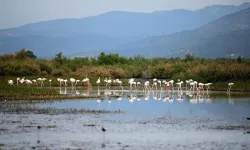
230	100
166	96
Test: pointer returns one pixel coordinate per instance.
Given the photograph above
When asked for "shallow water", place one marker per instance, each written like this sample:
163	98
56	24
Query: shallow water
154	120
160	103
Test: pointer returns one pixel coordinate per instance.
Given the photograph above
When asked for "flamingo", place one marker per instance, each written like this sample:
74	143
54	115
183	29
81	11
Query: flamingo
17	80
72	81
207	85
167	85
191	84
98	82
154	80
201	86
50	82
120	83
138	84
179	84
10	82
159	81
154	83
34	81
187	83
114	82
229	87
28	82
146	86
164	83
171	82
77	81
195	85
60	81
131	82
134	83
43	79
40	80
86	80
22	80
109	81
65	82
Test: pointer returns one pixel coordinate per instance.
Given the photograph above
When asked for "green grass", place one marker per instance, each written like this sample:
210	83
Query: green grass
23	92
241	86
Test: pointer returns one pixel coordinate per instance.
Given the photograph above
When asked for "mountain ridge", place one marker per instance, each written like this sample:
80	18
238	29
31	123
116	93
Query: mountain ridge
227	35
115	28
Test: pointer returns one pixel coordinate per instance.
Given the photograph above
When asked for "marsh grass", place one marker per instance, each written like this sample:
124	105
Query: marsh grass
20	92
239	86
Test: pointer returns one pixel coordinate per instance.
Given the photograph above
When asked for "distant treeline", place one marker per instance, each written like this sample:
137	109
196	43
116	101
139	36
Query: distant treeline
25	63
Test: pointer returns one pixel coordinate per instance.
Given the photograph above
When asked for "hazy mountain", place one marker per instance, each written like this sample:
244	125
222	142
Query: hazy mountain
220	38
48	46
106	31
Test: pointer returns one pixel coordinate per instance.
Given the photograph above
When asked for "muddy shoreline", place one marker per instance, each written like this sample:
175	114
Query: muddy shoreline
83	131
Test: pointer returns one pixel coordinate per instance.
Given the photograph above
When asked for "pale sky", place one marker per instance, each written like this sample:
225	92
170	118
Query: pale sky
14	13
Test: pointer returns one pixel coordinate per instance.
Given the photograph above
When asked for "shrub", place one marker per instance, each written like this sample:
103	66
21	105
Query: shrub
58	72
45	67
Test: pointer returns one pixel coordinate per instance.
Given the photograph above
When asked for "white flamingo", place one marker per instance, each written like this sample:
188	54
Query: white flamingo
229	87
154	83
65	82
159	82
10	82
77	81
138	84
43	79
17	80
50	83
72	81
22	80
60	81
207	85
109	81
171	82
179	85
131	83
28	82
120	83
98	82
34	81
201	86
146	86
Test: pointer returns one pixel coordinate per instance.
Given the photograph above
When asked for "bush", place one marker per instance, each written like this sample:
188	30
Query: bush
45	67
23	53
58	72
158	72
117	73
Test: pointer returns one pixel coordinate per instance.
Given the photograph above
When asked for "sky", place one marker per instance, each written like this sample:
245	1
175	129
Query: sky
14	13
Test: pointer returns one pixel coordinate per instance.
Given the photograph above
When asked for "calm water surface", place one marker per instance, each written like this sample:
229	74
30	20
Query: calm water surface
213	104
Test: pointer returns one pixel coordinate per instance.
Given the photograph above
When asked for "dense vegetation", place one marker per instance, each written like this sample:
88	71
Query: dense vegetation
25	63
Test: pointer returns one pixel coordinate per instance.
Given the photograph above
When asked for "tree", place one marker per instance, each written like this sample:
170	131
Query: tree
240	59
189	57
59	59
23	53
